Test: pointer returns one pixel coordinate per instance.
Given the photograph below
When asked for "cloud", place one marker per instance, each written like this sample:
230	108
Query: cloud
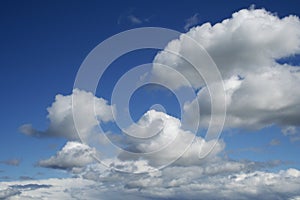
60	114
164	141
292	132
234	45
43	189
260	92
274	142
9	192
169	143
289	130
72	156
134	20
171	146
129	17
11	162
192	21
171	183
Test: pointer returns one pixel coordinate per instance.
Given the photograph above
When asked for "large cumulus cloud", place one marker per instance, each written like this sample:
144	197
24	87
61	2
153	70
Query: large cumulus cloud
260	91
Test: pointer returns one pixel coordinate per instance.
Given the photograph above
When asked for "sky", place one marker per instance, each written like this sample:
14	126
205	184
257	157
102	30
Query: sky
61	140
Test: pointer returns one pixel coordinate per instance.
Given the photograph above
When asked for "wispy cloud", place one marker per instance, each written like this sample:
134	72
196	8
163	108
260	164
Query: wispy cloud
134	20
129	17
292	132
192	21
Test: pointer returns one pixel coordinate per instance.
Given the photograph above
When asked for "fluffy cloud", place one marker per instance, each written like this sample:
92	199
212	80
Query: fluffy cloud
61	118
171	146
164	141
168	144
260	92
248	42
258	100
72	156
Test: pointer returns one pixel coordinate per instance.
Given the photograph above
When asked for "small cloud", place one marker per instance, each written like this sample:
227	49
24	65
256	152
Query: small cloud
72	156
292	132
27	129
11	162
252	7
289	130
134	20
192	21
274	142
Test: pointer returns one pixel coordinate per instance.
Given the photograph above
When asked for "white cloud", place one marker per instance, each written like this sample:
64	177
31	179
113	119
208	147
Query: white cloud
247	42
168	142
61	118
129	17
257	101
73	156
260	92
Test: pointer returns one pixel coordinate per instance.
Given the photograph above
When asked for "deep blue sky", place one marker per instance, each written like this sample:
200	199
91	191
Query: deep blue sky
44	42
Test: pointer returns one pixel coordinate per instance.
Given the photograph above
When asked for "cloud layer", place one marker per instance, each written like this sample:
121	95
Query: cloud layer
171	183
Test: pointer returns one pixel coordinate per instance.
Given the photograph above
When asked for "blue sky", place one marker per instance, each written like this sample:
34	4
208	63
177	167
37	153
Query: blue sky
43	44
